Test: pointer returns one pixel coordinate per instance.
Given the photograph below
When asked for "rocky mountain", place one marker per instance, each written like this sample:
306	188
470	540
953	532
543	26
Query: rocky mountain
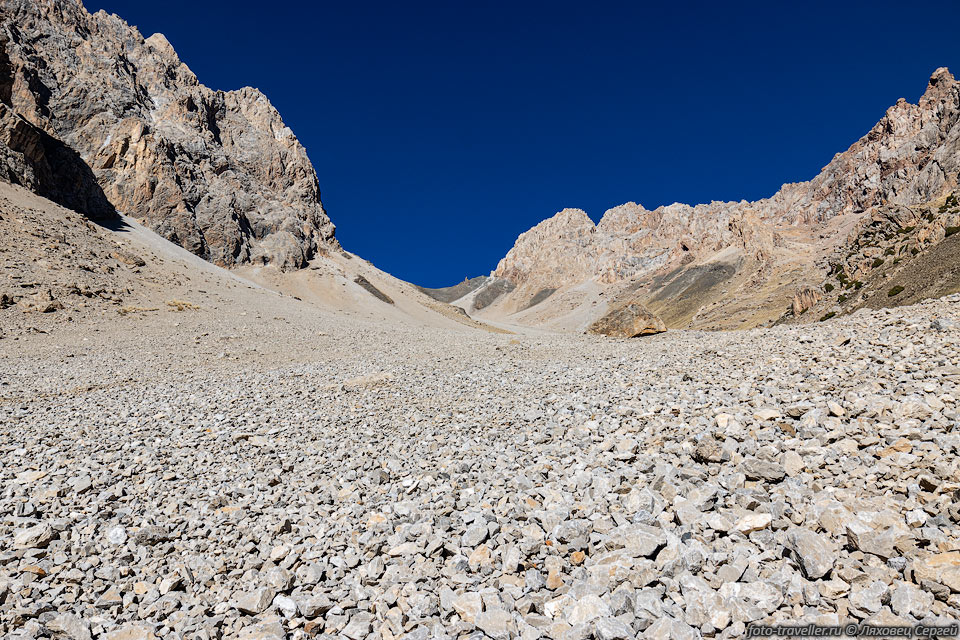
735	264
100	119
217	172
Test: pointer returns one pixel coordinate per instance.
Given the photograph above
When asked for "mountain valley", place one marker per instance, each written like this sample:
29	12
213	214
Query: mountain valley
218	422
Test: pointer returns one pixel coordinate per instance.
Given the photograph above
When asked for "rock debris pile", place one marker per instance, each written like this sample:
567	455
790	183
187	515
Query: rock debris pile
424	483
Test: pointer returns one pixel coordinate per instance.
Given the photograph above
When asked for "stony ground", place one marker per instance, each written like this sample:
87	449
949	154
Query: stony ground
185	474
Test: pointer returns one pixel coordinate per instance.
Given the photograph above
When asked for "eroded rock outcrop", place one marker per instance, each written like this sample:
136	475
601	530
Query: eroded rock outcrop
804	299
559	248
896	255
217	172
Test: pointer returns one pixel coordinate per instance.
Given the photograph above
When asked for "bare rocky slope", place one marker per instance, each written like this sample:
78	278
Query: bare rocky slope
186	454
59	269
99	120
217	172
736	264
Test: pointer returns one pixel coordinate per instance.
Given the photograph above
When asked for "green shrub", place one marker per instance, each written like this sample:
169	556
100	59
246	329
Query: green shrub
949	231
876	262
897	289
914	251
888	252
842	299
906	230
828	287
828	316
858	285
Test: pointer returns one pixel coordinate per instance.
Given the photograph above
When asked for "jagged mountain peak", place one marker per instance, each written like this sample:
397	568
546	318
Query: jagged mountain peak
941	77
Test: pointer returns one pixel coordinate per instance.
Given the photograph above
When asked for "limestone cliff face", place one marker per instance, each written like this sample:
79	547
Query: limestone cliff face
217	172
912	155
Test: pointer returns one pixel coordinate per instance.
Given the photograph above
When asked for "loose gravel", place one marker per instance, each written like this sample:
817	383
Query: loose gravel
355	480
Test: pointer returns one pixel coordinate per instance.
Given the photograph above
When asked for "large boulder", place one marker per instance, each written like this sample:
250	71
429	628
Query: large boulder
628	321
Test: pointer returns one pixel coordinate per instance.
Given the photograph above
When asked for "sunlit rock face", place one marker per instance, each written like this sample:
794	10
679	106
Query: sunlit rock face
217	172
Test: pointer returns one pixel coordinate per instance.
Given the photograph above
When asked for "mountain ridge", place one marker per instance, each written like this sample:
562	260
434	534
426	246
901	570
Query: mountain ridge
908	158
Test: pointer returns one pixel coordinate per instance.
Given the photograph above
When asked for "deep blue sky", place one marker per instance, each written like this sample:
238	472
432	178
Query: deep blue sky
441	130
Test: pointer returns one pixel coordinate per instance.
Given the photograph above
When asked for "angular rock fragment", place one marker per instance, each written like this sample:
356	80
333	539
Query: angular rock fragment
814	553
35	537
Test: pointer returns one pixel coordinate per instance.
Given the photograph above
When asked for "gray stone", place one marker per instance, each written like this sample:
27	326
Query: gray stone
671	629
132	631
474	535
70	626
586	609
815	555
256	601
359	626
468	606
35	537
117	535
612	629
639	540
906	600
756	469
496	623
285	605
868	597
314	606
270	629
